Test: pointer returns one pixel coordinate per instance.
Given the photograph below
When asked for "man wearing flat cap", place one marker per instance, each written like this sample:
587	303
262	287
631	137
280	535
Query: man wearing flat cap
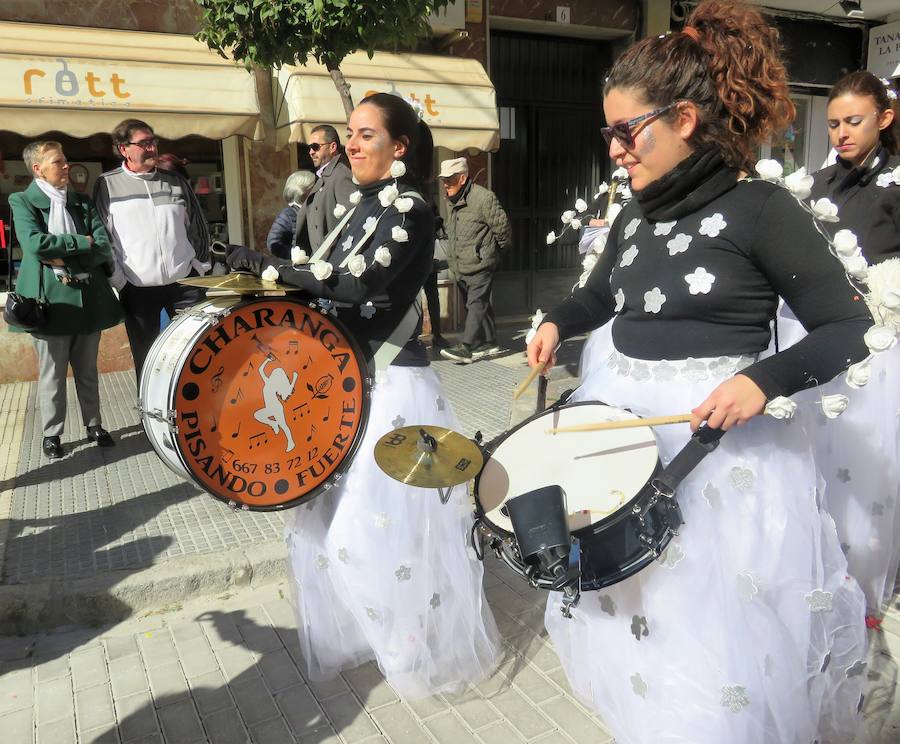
478	231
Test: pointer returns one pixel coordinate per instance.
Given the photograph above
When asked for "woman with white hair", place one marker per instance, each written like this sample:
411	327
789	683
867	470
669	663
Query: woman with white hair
297	188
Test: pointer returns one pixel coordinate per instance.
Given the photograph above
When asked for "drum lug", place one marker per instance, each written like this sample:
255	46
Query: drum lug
157	415
236	507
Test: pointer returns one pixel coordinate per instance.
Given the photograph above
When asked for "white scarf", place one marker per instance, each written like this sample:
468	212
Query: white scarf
60	222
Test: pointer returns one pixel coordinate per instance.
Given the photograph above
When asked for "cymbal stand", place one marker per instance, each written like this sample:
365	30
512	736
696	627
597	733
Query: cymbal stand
427	445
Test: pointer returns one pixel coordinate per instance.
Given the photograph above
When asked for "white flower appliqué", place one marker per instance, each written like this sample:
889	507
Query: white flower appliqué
601	189
712	226
747	586
799	184
575	224
367	311
589	262
581	205
834	405
369	224
845	243
299	257
856	266
819	600
825	209
780	408
734	697
664	228
631	228
567	216
770	170
628	256
612	213
398	234
383	256
355	197
679	244
535	322
598	244
270	274
858	374
356	265
321	270
620	300
879	338
700	281
653	300
339	211
387	195
551	238
398	169
404	203
885	179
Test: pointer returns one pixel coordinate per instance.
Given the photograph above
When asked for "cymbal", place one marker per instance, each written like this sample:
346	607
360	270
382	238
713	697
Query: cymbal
238	282
403	454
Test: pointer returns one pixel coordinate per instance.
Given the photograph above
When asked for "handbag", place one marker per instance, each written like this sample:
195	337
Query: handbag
26	313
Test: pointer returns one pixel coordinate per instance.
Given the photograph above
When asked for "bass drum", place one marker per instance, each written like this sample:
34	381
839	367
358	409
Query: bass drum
261	403
621	522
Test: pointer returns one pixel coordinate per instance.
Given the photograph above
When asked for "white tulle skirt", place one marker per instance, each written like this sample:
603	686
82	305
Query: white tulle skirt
748	629
858	454
384	571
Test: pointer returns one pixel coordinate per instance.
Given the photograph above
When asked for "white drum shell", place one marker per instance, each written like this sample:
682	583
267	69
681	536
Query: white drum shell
599	471
162	368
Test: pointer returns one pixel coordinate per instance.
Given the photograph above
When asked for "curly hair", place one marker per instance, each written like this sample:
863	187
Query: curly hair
864	83
727	63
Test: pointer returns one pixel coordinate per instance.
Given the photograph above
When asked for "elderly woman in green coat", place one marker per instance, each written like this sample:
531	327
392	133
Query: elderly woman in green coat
65	245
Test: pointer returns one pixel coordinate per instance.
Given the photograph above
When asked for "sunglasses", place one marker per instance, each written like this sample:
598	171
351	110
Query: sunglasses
623	130
316	146
147	144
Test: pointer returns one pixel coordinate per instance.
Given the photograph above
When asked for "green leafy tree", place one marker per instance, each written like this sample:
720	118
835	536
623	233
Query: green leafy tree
272	33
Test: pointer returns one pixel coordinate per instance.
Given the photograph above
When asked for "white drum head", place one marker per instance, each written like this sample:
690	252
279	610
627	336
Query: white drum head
599	471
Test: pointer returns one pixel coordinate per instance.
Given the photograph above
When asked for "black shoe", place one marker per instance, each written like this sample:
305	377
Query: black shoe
488	348
52	448
99	436
458	353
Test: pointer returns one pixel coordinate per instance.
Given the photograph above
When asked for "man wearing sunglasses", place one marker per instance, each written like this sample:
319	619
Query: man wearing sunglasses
334	185
159	235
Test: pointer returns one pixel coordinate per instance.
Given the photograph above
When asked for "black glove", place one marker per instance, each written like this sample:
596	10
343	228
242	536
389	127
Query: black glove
241	258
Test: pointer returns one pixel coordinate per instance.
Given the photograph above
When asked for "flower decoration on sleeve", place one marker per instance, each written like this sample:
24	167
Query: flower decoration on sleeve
567	216
355	197
581	213
383	256
620	300
825	209
356	265
339	211
387	195
299	257
858	374
769	170
834	405
780	408
883	298
398	234
551	238
844	242
403	204
799	184
580	206
270	274
321	270
880	338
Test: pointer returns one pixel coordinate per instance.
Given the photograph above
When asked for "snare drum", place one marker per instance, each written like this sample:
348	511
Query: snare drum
261	403
621	522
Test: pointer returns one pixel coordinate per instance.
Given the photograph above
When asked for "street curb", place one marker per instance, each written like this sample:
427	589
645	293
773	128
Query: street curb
116	595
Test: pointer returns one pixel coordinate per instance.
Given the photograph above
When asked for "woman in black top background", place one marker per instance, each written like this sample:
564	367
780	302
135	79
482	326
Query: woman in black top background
734	635
381	570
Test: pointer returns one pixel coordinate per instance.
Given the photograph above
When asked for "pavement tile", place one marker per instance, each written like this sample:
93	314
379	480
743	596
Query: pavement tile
507	600
197	658
271	732
254	702
472	708
222	632
524	716
534	685
446	728
54	700
136	716
572	720
52	669
399	725
328	688
559	677
259	638
94	707
158	648
348	717
89	667
16	691
104	735
118	648
281	613
499	733
61	731
184	632
210	692
300	708
235	661
225	727
167	683
180	723
18	726
426	707
556	737
127	677
371	687
278	670
321	736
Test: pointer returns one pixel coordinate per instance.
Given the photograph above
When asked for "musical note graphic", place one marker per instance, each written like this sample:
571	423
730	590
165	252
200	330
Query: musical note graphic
293	348
300	411
239	396
236	431
217	379
308	362
327	415
312	430
255	440
247	371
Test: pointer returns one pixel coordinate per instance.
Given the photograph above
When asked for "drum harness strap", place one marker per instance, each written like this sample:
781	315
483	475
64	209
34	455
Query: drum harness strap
389	350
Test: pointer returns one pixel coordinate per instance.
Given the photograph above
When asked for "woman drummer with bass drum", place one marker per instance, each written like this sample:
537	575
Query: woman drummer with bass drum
748	629
381	570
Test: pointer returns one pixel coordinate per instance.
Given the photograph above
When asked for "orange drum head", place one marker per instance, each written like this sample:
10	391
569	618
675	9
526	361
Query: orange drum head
270	404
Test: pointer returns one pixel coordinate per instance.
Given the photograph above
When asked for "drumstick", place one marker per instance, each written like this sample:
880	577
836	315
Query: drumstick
535	371
627	424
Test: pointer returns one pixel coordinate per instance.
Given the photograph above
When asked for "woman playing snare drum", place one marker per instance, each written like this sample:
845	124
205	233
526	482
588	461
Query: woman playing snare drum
382	570
748	629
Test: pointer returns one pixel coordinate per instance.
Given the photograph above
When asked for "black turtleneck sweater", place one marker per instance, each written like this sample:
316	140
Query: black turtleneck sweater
391	289
868	202
756	242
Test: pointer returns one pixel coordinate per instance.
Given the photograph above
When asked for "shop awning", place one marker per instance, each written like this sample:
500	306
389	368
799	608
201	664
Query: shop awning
85	80
457	94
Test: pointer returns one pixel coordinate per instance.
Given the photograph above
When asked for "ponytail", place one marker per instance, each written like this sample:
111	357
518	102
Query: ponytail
402	122
727	63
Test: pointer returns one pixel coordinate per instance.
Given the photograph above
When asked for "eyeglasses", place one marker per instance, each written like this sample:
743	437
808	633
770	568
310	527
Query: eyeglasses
316	146
623	130
147	144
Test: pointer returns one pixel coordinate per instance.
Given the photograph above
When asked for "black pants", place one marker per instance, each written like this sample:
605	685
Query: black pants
476	290
142	306
433	301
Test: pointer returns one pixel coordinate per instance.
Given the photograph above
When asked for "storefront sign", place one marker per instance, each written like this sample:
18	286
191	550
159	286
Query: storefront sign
884	50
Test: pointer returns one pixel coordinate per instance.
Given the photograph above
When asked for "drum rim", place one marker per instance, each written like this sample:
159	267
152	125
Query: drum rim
620	513
345	463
